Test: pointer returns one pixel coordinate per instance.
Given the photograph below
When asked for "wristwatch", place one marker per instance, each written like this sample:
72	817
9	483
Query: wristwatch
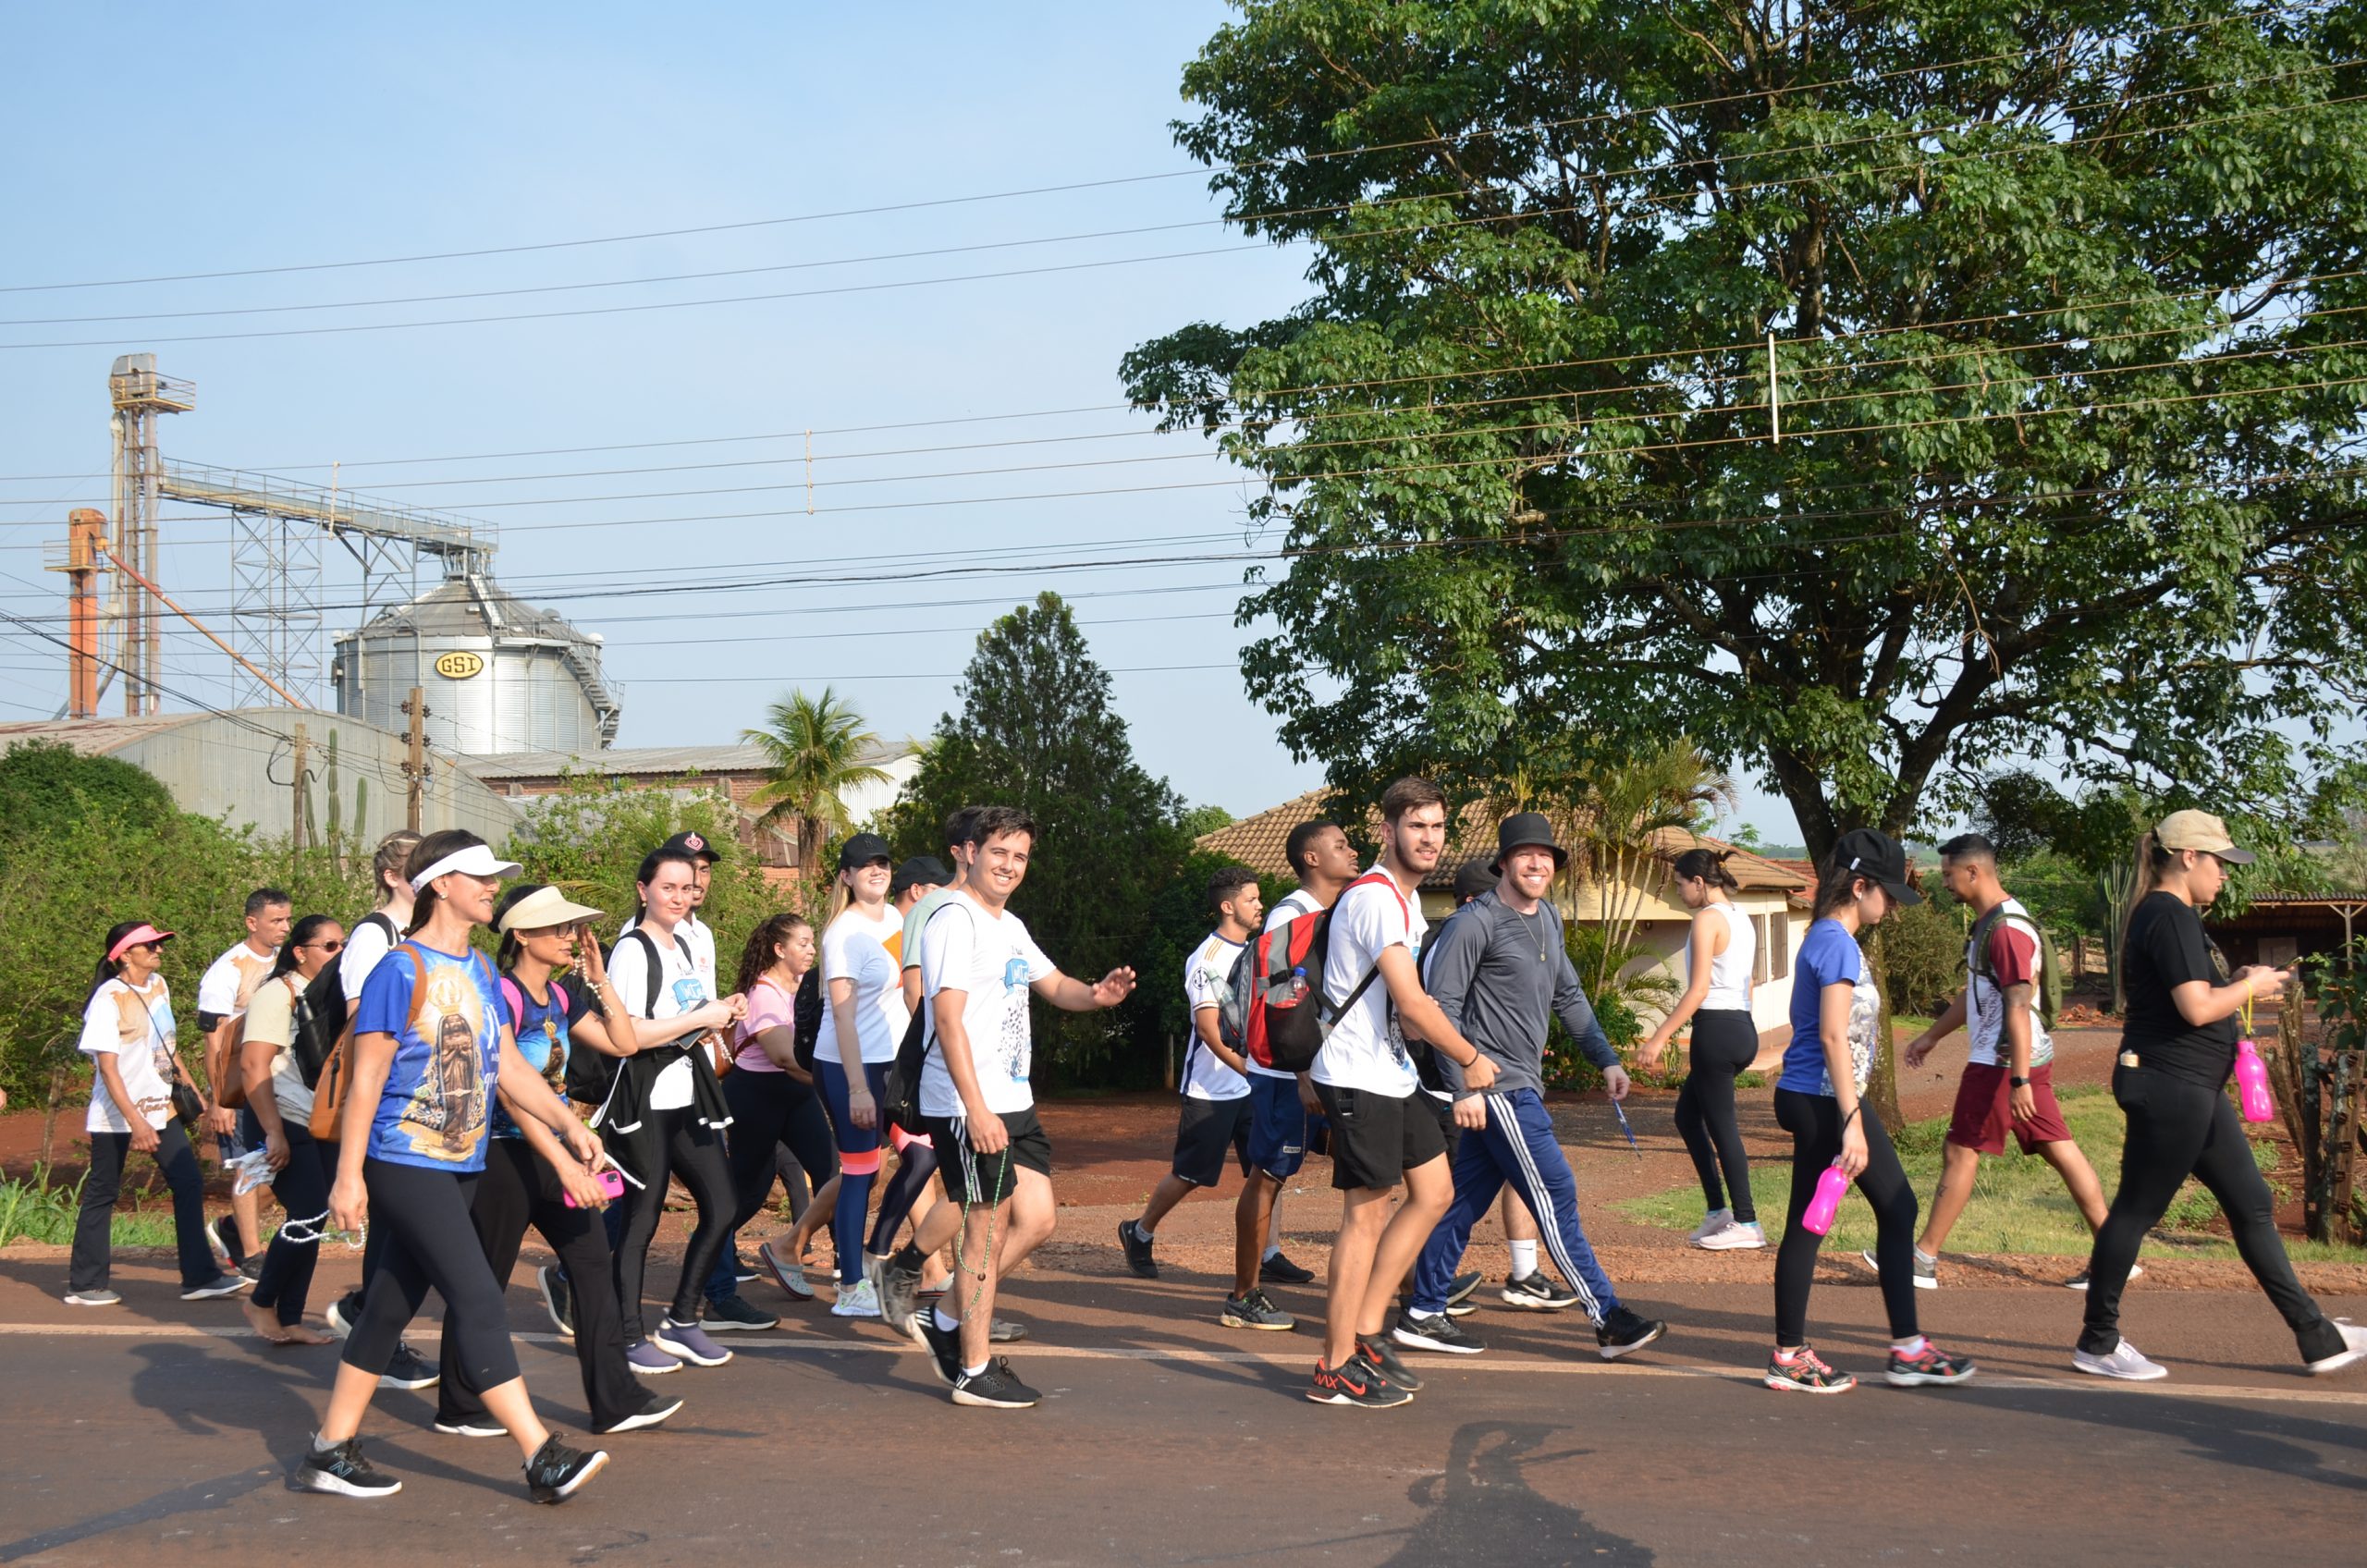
2017	1082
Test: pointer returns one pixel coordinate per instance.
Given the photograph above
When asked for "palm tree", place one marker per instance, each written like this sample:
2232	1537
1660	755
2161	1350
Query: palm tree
813	747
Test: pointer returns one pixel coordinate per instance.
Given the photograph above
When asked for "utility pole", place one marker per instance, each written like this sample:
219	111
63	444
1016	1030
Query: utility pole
415	764
295	817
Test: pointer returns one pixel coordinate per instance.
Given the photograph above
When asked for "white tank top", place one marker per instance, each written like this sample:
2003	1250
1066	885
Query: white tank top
1730	970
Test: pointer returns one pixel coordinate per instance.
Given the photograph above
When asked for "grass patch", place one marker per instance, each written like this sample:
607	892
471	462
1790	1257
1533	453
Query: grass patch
2019	1204
38	1209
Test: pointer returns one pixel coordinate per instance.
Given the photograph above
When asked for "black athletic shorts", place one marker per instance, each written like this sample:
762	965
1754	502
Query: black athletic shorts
974	1178
1377	1138
1202	1134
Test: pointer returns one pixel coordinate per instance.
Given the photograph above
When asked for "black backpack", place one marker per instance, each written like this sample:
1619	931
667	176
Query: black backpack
319	1012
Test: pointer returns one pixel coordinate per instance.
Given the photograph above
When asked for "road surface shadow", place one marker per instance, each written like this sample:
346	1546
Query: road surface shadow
1483	1509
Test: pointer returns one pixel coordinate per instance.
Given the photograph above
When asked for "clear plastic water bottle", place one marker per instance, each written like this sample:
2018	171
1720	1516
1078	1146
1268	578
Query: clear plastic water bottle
2251	1083
1298	986
1826	1204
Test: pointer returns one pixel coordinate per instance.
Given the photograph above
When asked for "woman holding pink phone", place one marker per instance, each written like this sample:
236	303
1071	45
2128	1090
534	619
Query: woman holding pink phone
530	1178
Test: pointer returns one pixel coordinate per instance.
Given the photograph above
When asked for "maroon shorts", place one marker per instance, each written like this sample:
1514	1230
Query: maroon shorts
1985	1111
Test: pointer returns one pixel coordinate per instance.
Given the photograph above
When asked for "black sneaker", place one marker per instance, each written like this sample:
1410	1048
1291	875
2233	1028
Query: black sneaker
1279	1271
944	1346
1383	1357
1434	1331
1625	1332
558	1300
557	1472
409	1369
1256	1310
1137	1245
1354	1384
342	1472
1537	1294
654	1409
996	1388
733	1313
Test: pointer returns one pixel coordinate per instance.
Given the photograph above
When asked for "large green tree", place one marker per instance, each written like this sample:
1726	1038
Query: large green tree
1037	730
2066	309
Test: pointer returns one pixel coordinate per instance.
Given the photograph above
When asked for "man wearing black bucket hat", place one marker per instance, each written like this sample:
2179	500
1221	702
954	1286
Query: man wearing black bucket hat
1502	972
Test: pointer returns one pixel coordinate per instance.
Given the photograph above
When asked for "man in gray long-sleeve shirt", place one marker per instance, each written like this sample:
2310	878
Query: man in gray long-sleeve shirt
1500	971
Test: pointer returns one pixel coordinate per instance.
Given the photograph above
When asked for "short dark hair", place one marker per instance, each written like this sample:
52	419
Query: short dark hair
989	823
1409	794
1969	846
957	827
263	898
1303	836
1226	881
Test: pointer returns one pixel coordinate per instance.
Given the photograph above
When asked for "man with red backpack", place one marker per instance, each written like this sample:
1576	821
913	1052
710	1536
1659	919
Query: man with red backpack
1382	1133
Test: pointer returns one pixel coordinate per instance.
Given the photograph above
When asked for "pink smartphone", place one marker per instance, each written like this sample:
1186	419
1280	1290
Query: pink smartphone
610	1182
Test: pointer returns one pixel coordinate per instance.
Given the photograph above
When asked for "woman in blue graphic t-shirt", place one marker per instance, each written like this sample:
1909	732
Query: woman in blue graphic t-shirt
1836	1016
430	1048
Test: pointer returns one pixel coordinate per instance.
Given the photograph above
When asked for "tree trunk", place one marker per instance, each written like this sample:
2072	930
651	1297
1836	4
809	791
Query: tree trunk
1882	1082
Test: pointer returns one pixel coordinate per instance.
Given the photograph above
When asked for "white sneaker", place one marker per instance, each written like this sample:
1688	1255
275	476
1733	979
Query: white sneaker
1711	1223
2127	1364
858	1300
1737	1236
2354	1348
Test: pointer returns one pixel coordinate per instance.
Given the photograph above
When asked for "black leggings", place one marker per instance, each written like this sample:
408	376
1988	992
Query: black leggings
430	1242
770	1109
1814	1121
915	1163
671	1142
303	1188
519	1189
2176	1130
94	1228
1724	1042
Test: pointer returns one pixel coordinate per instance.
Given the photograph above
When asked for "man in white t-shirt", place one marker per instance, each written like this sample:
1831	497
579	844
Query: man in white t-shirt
222	997
1382	1131
2008	1084
980	967
1283	1104
1217	1110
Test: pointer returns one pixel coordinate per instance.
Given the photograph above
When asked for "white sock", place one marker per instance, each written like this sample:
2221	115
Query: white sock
1524	1259
945	1325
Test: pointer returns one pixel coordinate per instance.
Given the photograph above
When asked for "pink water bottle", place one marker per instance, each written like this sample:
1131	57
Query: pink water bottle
2251	1083
1826	1204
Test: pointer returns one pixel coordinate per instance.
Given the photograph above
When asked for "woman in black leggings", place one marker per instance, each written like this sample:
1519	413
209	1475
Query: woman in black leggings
665	1114
429	1051
2177	1048
278	1120
1720	954
1835	1017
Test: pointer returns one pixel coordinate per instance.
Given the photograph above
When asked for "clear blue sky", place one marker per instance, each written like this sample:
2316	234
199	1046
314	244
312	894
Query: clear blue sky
150	140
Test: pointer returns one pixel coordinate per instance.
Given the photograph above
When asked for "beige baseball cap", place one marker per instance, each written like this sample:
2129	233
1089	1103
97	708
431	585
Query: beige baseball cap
2200	830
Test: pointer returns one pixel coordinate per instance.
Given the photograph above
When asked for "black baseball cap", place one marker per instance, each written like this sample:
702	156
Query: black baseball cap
693	844
861	850
1880	858
921	870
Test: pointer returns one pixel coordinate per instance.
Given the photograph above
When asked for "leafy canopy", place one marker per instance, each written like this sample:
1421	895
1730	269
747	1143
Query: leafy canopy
2065	307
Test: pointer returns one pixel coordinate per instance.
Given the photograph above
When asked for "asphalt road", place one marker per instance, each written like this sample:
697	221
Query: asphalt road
159	1433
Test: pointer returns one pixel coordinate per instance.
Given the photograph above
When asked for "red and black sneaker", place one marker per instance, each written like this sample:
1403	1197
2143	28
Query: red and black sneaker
1357	1383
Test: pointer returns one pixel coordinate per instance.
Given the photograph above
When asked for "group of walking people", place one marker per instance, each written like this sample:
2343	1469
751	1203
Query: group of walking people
396	1088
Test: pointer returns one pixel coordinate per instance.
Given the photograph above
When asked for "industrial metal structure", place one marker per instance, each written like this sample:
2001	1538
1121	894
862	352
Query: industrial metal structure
500	675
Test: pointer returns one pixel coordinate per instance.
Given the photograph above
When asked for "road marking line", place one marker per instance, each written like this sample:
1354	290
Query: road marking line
788	1345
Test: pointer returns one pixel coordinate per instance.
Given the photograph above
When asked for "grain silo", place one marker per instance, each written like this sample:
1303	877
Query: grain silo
500	675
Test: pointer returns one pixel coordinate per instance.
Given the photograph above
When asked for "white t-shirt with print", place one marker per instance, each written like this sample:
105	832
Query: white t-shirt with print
1364	1050
680	990
1289	906
136	1028
230	981
1206	976
992	961
855	949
